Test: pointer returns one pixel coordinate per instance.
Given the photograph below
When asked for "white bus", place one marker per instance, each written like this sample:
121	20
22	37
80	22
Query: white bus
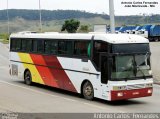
106	66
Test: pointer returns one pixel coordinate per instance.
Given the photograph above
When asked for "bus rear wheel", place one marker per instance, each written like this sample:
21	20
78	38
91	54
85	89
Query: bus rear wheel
88	91
27	78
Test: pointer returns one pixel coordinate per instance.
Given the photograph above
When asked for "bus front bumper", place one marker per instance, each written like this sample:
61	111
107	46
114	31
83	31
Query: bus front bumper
128	94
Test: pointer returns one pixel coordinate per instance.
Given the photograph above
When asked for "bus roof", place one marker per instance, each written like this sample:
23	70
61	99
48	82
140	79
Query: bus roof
111	38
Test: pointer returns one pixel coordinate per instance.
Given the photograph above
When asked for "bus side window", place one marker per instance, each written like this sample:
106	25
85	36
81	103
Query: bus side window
34	46
24	45
40	46
81	48
15	44
50	47
29	45
18	44
65	47
99	47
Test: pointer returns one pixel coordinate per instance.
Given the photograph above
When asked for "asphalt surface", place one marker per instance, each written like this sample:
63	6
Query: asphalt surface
155	60
15	96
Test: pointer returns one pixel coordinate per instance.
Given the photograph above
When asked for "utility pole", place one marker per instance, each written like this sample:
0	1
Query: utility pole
8	19
40	16
112	19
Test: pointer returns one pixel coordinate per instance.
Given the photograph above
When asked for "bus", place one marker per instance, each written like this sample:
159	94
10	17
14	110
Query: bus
97	65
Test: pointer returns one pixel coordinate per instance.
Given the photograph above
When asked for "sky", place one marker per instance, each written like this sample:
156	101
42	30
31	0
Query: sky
94	6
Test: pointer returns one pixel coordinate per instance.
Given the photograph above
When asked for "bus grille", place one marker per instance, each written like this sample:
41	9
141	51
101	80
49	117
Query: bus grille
137	86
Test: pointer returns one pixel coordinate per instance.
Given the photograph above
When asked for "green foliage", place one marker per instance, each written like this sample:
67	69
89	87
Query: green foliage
70	26
84	28
4	36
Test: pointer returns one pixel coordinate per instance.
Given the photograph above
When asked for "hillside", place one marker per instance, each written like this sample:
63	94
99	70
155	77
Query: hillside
48	14
21	20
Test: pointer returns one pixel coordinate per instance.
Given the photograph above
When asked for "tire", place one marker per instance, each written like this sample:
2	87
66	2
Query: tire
88	91
28	78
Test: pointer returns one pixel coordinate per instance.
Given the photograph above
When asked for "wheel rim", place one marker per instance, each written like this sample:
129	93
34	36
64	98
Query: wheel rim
88	91
27	78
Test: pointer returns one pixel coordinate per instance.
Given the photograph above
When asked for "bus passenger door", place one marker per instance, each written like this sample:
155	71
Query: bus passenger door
104	68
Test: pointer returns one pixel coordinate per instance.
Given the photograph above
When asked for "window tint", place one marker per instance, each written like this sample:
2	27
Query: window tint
100	46
26	45
65	47
18	44
29	46
15	44
34	46
51	47
130	48
82	48
40	46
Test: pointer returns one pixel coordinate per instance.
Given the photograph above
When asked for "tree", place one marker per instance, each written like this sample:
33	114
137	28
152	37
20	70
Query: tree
70	26
84	28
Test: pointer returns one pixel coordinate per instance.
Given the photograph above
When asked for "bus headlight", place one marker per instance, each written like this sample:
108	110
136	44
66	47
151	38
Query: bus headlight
149	91
120	94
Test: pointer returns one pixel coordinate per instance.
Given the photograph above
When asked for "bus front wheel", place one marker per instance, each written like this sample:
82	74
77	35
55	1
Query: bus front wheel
28	78
88	91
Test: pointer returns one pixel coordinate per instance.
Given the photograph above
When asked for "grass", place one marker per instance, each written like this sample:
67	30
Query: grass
19	24
4	41
4	38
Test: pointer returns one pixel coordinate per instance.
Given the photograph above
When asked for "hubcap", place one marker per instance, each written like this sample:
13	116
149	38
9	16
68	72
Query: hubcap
27	78
88	90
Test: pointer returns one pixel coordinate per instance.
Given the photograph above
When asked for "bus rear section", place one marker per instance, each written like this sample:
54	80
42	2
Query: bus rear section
106	66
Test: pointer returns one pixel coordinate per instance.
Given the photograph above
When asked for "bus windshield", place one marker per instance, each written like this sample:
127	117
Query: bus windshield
131	66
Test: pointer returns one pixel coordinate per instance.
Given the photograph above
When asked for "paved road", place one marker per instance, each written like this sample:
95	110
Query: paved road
155	59
15	96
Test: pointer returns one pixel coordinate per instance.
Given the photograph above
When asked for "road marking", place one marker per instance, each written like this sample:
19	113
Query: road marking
94	106
37	91
72	100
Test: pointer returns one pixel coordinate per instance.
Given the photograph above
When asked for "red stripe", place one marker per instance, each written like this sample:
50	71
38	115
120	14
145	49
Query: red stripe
51	76
60	75
44	72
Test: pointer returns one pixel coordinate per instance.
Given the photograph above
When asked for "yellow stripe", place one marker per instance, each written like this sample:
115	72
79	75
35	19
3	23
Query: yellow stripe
24	57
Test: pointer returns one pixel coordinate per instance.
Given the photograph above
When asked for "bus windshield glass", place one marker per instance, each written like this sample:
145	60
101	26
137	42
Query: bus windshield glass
131	65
